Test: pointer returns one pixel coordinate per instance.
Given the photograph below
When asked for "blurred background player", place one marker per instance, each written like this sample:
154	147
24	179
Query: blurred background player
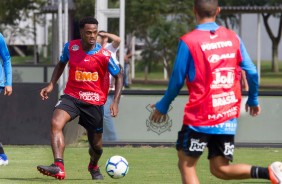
5	84
127	59
103	37
84	96
210	59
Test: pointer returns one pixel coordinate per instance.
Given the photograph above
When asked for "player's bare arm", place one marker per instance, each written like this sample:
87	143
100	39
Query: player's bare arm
118	88
55	76
115	39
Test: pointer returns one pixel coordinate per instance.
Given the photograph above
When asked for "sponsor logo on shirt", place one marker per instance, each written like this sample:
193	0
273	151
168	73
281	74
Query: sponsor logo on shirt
89	96
106	53
75	48
214	58
223	99
223	78
228	113
216	45
86	76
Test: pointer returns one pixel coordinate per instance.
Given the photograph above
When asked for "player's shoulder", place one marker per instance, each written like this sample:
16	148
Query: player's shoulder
230	31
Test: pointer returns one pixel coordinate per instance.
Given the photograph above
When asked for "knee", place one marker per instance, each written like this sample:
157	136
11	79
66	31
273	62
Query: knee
55	122
96	150
220	172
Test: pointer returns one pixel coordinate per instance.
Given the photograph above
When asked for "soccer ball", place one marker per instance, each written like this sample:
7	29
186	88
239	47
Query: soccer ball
117	167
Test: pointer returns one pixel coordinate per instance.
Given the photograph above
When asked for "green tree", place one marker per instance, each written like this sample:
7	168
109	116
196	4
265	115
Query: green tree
84	8
274	39
159	23
14	11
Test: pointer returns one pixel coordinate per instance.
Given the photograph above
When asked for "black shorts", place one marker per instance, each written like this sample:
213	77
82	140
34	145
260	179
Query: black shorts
90	116
194	143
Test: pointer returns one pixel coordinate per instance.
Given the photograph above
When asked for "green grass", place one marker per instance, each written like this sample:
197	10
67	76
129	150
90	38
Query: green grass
146	165
18	60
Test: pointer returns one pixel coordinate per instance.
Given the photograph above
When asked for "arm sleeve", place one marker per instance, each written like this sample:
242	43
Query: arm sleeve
6	58
177	78
113	67
65	55
251	75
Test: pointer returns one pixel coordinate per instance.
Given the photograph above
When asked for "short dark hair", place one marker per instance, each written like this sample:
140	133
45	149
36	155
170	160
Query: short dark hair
87	20
206	8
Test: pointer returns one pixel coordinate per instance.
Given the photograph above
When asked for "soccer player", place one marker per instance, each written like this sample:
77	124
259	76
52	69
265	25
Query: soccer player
5	84
84	96
109	133
210	58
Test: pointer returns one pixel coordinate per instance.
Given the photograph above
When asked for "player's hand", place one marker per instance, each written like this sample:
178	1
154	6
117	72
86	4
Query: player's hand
156	116
8	90
253	110
114	109
45	91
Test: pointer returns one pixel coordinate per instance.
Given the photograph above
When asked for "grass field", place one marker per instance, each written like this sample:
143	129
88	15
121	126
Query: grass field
147	165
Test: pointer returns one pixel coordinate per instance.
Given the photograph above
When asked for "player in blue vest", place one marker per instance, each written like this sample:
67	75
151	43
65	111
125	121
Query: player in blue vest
5	83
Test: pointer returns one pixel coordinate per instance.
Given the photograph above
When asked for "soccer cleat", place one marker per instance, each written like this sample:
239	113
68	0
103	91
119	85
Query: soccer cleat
52	170
3	159
275	172
96	174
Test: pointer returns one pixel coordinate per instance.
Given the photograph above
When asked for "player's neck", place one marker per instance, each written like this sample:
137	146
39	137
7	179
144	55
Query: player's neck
87	47
205	20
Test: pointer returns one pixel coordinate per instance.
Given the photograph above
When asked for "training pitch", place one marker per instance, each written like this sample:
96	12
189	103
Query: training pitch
152	165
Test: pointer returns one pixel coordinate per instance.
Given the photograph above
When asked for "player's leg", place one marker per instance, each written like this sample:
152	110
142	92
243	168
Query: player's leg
3	156
187	168
57	169
221	149
65	111
95	152
59	120
190	146
91	119
220	167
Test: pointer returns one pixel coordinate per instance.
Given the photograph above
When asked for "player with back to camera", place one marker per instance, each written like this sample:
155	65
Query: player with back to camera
84	96
210	58
5	84
109	133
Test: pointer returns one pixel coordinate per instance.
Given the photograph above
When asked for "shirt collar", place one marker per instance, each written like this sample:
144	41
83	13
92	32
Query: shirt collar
207	26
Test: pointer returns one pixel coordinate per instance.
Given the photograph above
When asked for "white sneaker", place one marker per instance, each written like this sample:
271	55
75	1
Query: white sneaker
3	159
275	172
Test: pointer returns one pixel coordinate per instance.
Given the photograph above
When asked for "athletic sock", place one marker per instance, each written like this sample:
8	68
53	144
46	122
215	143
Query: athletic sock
60	163
259	172
92	166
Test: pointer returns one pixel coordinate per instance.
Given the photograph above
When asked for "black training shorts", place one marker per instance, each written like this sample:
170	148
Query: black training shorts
194	143
90	116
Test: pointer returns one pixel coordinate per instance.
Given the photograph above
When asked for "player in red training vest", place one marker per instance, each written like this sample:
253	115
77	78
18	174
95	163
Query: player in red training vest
84	96
210	59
